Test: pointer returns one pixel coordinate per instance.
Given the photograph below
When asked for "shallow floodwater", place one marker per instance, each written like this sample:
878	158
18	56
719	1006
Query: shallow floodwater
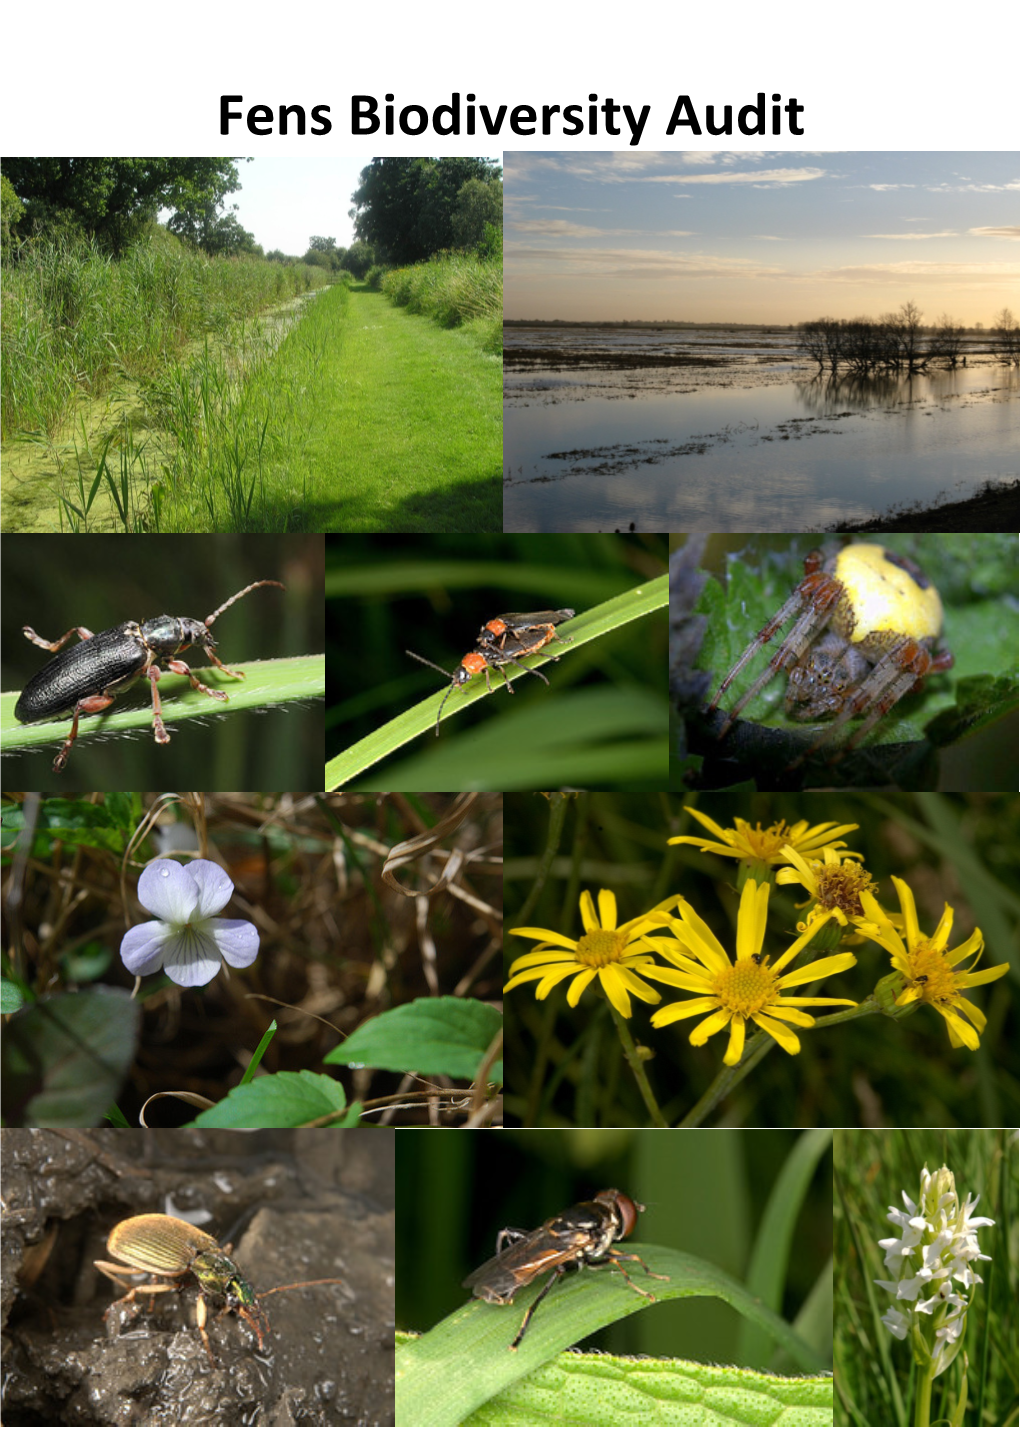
735	433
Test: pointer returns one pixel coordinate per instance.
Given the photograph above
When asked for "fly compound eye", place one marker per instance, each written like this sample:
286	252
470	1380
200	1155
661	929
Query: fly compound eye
624	1207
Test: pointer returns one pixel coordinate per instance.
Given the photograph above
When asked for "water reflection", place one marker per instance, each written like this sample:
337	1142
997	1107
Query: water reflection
759	443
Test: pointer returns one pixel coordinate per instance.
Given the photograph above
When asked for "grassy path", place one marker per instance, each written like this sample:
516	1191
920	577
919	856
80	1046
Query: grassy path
394	423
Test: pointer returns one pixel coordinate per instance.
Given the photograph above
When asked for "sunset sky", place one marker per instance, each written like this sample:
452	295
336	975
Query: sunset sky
762	237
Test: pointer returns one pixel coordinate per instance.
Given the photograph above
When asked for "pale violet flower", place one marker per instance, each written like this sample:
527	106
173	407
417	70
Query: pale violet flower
190	942
937	1244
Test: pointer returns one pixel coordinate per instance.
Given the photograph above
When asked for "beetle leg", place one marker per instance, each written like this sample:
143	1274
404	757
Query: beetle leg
183	669
201	1314
91	706
36	639
216	662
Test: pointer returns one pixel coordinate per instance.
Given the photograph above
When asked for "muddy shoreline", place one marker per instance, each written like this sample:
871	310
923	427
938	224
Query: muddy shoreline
997	508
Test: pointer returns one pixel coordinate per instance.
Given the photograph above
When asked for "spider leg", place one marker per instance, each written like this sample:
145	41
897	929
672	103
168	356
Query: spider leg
901	670
815	599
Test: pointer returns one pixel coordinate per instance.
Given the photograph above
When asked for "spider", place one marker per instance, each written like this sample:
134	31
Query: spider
866	633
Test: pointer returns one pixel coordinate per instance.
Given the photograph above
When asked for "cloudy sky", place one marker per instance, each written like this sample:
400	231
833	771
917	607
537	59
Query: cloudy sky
760	237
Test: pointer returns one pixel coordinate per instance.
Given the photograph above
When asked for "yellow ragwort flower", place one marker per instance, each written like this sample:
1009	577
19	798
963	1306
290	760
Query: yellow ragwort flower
755	844
609	952
834	883
746	989
929	969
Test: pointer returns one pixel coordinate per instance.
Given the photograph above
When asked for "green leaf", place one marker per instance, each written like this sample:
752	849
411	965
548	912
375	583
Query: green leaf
599	621
448	1035
598	1390
12	996
434	1389
65	1058
284	1099
71	820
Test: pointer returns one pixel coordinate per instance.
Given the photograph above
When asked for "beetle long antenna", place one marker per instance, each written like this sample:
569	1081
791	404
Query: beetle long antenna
425	662
287	1287
219	612
453	682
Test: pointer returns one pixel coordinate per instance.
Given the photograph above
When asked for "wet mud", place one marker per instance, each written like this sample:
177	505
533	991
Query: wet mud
297	1206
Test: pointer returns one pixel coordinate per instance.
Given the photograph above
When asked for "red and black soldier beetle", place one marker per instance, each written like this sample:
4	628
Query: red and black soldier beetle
506	638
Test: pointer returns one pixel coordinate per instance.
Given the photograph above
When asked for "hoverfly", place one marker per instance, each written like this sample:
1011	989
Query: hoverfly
581	1236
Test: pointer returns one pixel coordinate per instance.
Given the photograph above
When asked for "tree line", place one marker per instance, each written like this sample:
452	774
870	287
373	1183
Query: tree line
898	341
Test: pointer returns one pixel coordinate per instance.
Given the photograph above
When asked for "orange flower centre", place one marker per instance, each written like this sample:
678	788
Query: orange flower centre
842	886
766	844
931	972
600	948
747	986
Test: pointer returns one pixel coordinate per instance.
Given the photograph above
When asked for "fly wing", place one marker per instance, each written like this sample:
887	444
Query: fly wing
516	1266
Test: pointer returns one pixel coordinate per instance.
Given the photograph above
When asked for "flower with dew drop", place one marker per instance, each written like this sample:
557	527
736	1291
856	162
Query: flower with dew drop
189	942
930	1263
757	844
929	968
612	953
747	988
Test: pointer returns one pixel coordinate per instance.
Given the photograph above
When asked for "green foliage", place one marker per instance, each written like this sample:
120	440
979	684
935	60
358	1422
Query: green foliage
876	1373
73	319
112	198
405	206
359	259
282	1099
599	1390
11	211
374	278
451	289
432	1035
478	212
65	1058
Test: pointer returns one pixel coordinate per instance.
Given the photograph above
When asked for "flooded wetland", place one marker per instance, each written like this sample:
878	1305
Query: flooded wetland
731	428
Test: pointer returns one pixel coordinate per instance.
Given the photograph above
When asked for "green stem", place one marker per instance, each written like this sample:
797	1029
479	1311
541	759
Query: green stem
922	1402
558	803
638	1069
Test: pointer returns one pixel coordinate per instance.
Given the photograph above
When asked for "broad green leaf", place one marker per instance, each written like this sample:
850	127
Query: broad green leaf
598	1390
435	1390
72	820
65	1058
12	996
447	1035
284	1099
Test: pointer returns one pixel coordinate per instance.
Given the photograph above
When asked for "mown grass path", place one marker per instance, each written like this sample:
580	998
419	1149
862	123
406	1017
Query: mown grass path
395	424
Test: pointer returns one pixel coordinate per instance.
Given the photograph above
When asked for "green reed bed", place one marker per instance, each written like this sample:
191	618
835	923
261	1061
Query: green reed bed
454	289
74	319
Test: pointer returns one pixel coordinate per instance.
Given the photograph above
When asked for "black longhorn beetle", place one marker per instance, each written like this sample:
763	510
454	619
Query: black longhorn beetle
87	678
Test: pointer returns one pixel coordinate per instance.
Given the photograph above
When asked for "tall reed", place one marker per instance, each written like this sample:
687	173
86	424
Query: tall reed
73	318
453	289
